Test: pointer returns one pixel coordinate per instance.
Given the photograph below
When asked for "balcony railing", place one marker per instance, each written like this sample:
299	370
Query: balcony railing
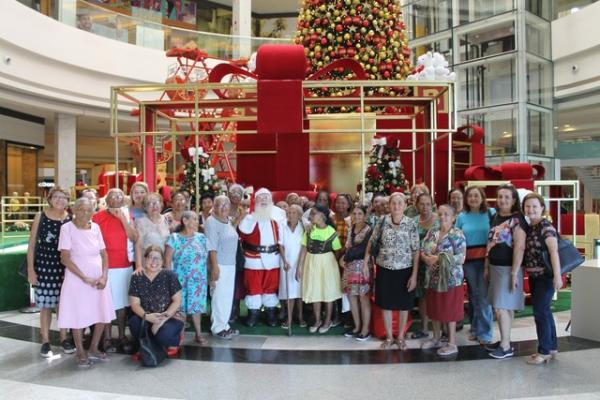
145	28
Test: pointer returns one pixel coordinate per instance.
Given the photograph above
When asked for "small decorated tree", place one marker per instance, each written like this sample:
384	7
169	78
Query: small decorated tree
385	172
207	178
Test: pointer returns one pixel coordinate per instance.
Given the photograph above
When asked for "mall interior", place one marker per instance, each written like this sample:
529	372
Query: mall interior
85	101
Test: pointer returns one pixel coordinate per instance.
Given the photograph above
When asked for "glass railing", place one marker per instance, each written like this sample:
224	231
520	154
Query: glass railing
568	7
145	28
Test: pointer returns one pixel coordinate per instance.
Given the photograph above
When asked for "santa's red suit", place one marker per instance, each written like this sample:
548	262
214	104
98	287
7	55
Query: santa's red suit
260	241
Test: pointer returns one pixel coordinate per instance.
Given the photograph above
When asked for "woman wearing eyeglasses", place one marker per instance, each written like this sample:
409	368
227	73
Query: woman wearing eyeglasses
152	228
155	297
44	270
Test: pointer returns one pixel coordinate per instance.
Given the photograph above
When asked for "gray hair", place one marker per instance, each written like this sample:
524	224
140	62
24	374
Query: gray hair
397	194
221	198
80	202
297	208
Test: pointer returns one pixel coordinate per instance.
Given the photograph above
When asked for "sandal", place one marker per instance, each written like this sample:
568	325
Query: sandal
537	359
303	324
447	350
200	340
401	343
84	362
109	346
315	327
100	356
419	335
386	344
473	337
224	334
233	332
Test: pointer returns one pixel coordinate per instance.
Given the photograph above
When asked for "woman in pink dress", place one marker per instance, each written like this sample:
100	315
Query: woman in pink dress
85	299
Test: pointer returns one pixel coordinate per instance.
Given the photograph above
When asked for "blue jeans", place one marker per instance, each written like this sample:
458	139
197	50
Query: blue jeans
167	335
542	291
481	324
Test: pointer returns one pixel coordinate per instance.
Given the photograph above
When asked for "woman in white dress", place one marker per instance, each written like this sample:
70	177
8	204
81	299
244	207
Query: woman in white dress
291	236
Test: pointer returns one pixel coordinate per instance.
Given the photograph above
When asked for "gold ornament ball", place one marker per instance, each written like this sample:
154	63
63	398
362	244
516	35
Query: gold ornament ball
347	36
339	39
352	11
322	8
381	90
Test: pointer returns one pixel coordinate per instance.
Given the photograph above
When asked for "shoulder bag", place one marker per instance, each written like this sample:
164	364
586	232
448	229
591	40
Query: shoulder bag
570	257
376	246
151	353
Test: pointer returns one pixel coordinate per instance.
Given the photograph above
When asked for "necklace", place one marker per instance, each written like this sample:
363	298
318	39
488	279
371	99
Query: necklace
395	223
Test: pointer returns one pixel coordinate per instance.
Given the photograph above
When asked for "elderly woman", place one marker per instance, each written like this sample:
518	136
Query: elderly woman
186	254
443	252
474	221
155	297
237	212
456	199
293	198
415	192
117	232
179	203
92	195
152	228
426	220
505	247
85	299
377	209
44	269
397	262
291	237
222	248
357	275
541	235
138	191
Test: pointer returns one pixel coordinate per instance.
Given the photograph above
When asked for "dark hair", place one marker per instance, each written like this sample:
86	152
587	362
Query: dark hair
325	212
455	189
207	196
424	195
483	208
361	207
152	248
378	194
320	192
516	208
348	199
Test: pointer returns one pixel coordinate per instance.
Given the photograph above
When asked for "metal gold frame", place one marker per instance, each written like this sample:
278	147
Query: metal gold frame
420	99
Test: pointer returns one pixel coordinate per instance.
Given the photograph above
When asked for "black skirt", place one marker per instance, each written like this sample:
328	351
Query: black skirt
391	289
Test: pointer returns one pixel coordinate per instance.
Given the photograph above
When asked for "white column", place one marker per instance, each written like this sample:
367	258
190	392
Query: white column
65	133
241	28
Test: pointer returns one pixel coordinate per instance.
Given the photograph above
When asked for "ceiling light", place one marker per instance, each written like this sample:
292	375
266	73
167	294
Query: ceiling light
567	126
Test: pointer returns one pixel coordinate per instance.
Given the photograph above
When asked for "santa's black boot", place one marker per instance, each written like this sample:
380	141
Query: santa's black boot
252	318
271	316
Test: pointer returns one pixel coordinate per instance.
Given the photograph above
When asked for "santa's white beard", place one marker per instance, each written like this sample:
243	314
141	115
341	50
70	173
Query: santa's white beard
263	213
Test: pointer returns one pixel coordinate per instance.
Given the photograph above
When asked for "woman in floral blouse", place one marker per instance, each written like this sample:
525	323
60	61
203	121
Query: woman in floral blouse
443	251
397	262
541	234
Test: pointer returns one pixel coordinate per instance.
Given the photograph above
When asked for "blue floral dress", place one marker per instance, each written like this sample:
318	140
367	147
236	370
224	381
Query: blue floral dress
453	244
189	263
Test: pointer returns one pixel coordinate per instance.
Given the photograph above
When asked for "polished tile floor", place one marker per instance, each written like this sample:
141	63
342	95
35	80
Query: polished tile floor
259	367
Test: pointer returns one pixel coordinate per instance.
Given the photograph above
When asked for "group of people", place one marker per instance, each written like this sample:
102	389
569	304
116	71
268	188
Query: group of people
164	265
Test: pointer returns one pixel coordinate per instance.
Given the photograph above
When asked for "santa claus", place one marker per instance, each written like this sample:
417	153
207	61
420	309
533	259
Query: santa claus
259	233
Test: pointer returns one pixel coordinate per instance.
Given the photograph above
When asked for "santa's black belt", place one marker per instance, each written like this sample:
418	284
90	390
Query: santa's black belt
261	249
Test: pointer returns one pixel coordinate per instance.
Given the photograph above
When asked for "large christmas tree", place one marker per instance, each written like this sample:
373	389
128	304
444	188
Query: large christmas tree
385	172
371	32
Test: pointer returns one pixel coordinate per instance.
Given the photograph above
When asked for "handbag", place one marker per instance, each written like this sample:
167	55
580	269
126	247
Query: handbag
376	246
151	353
570	257
357	251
